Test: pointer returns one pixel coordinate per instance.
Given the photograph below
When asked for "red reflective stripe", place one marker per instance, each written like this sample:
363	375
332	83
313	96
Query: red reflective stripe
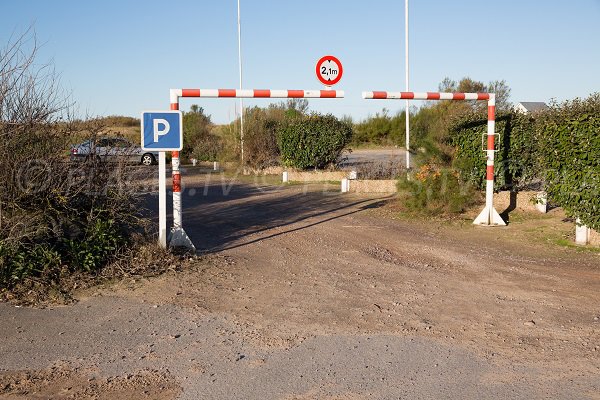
490	173
262	93
491	113
176	182
490	142
458	96
433	96
483	96
295	93
175	154
226	92
174	106
327	93
190	92
380	95
407	95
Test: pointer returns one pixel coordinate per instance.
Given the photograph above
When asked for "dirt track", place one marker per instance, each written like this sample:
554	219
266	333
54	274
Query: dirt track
308	294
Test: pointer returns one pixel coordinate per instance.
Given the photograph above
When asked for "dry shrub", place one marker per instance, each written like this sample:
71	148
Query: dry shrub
53	214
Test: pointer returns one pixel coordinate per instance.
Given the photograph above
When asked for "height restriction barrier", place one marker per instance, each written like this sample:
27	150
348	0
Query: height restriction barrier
489	216
178	235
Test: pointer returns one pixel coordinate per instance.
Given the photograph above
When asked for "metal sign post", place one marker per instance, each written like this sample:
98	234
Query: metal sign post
163	131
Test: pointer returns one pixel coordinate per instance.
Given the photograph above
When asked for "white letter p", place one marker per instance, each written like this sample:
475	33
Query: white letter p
160	132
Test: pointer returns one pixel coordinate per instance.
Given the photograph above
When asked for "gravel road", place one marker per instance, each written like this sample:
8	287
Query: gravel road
308	294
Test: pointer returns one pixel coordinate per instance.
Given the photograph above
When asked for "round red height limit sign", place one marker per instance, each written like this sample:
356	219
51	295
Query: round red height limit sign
329	70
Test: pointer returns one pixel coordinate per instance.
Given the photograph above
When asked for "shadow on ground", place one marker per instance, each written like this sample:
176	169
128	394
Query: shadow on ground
218	217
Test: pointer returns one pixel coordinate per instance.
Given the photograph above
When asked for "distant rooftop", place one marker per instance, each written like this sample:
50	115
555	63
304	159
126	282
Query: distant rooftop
527	107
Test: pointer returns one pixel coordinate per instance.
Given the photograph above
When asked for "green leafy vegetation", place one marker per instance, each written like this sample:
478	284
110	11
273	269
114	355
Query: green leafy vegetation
516	158
314	141
569	147
380	130
260	135
557	150
435	190
199	140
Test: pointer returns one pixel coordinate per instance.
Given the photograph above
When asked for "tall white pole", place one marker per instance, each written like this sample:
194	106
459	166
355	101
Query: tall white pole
240	65
162	200
407	86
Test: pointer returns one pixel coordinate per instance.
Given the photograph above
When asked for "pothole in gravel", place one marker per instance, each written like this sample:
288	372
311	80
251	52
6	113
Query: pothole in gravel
380	253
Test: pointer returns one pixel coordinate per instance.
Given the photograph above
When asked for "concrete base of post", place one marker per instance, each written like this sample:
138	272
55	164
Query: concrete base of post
489	217
285	177
582	233
345	185
179	238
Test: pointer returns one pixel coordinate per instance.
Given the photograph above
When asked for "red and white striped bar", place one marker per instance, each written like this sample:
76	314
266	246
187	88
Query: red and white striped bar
254	93
489	216
426	96
178	235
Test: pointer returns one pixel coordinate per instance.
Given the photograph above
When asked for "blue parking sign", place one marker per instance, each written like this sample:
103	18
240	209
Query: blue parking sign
162	130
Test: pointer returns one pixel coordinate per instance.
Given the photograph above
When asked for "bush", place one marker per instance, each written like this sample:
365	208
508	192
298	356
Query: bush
199	141
434	190
381	130
120	121
570	157
260	136
314	141
49	206
18	263
516	158
103	238
558	150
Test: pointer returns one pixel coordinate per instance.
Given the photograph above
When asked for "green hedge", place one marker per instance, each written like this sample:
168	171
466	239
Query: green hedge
559	150
313	141
516	159
570	153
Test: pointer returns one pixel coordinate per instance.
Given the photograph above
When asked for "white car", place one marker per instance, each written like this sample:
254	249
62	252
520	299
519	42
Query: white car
112	149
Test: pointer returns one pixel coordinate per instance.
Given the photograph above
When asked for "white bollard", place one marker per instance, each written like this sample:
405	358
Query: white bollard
345	185
582	233
541	202
215	166
194	161
285	177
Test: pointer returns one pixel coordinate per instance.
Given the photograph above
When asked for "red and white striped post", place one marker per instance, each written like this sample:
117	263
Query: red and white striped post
178	235
489	216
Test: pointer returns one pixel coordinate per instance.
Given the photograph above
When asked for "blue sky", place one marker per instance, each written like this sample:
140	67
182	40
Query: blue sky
122	57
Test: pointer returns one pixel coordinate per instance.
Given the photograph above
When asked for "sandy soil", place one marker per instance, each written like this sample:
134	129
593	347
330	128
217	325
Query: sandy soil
306	294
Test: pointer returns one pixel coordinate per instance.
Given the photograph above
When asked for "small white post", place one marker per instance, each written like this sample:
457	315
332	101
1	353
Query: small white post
345	185
162	201
541	202
582	233
215	166
285	177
